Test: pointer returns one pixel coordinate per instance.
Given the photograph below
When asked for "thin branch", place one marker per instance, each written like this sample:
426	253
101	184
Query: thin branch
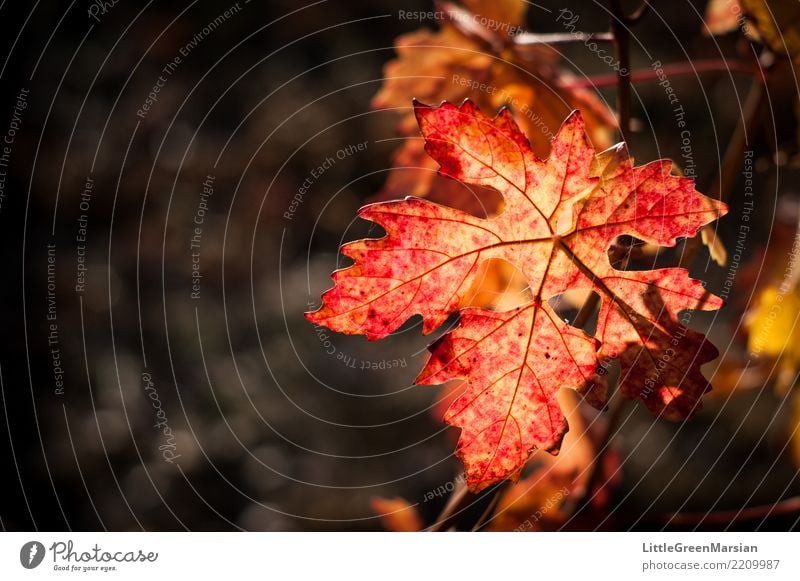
692	69
491	506
789	506
735	151
532	38
639	13
731	161
622	41
456	497
616	407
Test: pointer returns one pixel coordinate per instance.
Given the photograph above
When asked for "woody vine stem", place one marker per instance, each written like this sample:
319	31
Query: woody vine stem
620	30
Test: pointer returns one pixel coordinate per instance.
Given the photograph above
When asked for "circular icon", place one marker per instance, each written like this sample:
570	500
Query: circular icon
31	554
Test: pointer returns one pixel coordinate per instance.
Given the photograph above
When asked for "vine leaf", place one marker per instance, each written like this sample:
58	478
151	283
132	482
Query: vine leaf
560	217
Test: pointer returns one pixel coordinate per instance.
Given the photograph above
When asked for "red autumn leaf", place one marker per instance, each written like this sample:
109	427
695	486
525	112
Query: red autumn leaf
559	219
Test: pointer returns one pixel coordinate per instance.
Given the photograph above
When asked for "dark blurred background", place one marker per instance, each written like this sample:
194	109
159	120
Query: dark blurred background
138	395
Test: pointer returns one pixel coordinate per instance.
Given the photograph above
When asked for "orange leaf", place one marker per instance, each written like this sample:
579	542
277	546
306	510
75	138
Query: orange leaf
722	16
397	514
511	12
450	66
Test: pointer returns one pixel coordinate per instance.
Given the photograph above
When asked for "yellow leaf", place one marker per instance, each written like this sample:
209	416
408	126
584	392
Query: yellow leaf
716	248
774	331
778	24
773	328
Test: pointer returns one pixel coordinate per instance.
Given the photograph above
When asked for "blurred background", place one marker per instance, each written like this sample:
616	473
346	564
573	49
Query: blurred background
177	179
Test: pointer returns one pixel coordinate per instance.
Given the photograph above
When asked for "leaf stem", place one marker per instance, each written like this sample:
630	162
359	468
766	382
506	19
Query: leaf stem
616	406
